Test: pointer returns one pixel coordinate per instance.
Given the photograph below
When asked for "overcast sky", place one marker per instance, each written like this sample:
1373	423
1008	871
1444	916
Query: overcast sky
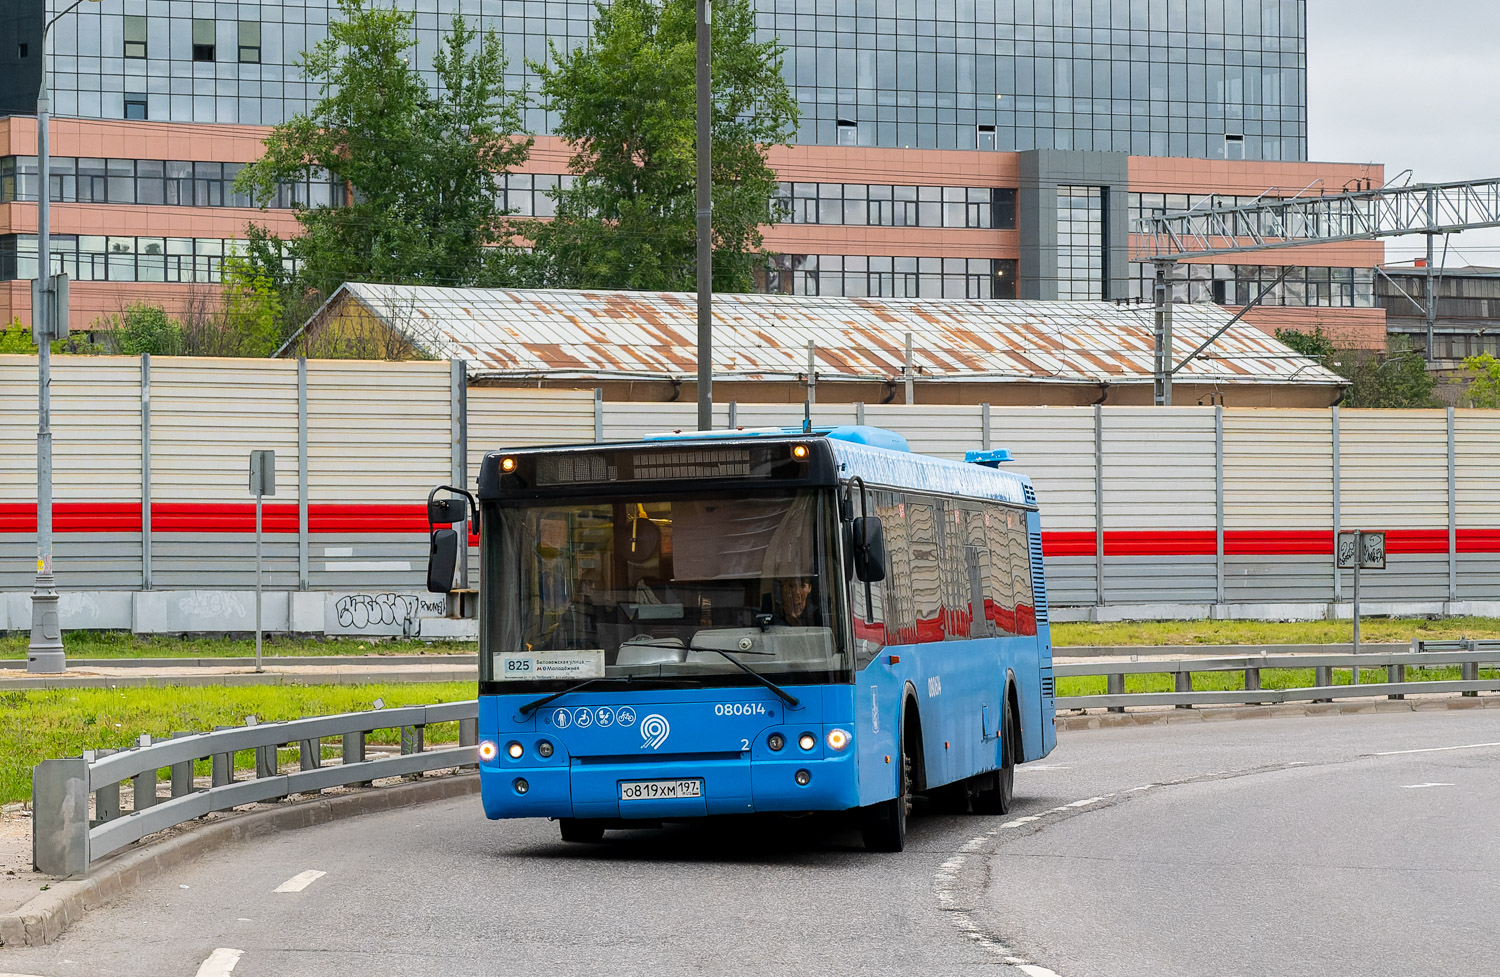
1409	84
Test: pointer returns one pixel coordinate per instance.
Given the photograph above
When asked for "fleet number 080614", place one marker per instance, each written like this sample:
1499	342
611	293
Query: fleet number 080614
740	709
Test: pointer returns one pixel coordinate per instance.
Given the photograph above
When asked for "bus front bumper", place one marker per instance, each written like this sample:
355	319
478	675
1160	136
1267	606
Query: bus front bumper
590	788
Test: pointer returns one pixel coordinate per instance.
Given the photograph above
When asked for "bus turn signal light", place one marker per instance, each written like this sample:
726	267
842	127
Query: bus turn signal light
838	739
488	750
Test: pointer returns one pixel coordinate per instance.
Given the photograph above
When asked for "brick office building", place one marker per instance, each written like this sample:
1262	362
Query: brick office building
959	148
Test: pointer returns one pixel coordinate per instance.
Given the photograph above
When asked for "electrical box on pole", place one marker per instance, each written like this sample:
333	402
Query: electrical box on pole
55	325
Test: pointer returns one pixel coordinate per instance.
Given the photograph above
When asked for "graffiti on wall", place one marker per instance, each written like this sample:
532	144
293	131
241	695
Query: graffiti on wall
383	613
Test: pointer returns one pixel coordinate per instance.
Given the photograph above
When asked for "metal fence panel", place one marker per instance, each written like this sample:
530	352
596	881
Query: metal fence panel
377	432
1477	441
936	429
1159	469
1055	447
1278	470
1394	471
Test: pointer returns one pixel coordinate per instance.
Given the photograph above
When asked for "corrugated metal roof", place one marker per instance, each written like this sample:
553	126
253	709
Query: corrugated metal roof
506	333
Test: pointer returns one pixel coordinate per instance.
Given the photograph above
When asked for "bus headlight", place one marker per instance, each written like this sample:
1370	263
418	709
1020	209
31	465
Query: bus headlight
488	750
515	750
544	749
807	741
838	739
776	741
521	786
803	778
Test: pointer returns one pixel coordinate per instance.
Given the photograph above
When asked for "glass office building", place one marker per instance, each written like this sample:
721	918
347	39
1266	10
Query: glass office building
1210	79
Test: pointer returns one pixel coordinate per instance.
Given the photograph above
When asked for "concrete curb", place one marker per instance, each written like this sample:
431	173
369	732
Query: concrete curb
46	916
1099	719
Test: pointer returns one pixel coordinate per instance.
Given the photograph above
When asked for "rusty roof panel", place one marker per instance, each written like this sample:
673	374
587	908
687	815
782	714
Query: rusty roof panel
508	333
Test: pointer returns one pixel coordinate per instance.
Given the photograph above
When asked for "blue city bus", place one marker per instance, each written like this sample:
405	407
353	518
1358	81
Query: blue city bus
737	622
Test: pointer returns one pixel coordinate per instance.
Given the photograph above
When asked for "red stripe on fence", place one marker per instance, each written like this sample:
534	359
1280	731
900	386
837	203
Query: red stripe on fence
1067	544
1161	543
1290	542
73	517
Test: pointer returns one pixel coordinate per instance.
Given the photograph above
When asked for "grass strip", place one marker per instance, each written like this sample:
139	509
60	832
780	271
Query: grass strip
123	644
1270	678
37	725
1155	633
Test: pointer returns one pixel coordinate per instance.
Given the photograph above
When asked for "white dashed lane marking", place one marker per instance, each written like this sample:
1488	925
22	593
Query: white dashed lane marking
1420	786
1437	749
220	962
300	881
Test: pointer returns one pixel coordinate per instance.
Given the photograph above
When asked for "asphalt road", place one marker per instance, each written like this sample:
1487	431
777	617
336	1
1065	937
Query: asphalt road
1265	847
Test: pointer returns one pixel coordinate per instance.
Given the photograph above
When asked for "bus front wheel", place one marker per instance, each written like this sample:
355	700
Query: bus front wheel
583	830
995	792
884	825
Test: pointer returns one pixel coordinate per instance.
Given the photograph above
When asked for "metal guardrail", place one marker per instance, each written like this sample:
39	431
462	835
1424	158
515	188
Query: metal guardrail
1465	653
68	839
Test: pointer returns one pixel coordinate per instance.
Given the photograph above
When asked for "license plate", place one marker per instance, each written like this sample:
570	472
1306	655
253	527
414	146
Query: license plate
656	790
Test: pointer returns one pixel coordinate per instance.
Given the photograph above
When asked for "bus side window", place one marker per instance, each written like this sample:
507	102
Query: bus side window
1003	585
926	572
1020	566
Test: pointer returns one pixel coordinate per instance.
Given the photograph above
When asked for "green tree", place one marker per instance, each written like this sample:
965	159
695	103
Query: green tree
1484	383
625	101
419	161
1396	378
144	329
15	339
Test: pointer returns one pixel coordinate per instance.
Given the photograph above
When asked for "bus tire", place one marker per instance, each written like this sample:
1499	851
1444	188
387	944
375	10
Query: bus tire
995	791
884	825
585	831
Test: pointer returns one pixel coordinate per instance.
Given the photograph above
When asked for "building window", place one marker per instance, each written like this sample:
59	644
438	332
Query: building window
21	51
1080	243
984	137
135	109
848	133
203	40
135	37
1234	146
1004	279
882	276
249	42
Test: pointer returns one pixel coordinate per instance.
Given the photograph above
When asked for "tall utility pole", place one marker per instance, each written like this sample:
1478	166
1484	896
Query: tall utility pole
705	221
45	651
1162	395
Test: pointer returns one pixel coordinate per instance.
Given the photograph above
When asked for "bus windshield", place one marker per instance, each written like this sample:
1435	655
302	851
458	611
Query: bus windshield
665	586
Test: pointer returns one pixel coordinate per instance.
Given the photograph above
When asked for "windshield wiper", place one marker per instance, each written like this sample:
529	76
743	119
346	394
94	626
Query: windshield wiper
531	707
786	696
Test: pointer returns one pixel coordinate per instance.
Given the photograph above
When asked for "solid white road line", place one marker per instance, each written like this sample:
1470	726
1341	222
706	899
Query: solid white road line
1419	786
300	881
220	962
1437	749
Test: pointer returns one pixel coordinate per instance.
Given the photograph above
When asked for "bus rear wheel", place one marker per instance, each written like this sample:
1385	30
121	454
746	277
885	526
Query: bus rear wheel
995	792
884	825
582	830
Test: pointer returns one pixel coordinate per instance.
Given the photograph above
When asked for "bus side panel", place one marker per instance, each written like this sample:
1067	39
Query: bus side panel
878	689
959	690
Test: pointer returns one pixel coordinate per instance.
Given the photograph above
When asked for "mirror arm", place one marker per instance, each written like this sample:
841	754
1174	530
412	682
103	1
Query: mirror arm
473	520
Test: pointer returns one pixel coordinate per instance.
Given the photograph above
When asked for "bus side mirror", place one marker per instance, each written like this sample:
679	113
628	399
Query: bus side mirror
869	549
449	511
442	560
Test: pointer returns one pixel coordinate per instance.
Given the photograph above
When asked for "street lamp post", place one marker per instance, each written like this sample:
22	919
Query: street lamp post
45	651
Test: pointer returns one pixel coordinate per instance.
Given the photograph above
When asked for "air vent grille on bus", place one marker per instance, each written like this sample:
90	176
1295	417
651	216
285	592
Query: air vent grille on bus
1047	684
1038	576
1030	494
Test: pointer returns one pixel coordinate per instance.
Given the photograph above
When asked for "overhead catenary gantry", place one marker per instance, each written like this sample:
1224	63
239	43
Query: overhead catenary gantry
1362	215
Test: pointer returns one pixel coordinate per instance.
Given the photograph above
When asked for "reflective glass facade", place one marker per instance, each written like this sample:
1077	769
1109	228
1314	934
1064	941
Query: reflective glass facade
1080	243
179	183
1199	78
878	276
115	258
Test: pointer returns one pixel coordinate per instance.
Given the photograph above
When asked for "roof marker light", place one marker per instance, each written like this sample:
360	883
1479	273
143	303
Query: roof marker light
799	451
507	464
